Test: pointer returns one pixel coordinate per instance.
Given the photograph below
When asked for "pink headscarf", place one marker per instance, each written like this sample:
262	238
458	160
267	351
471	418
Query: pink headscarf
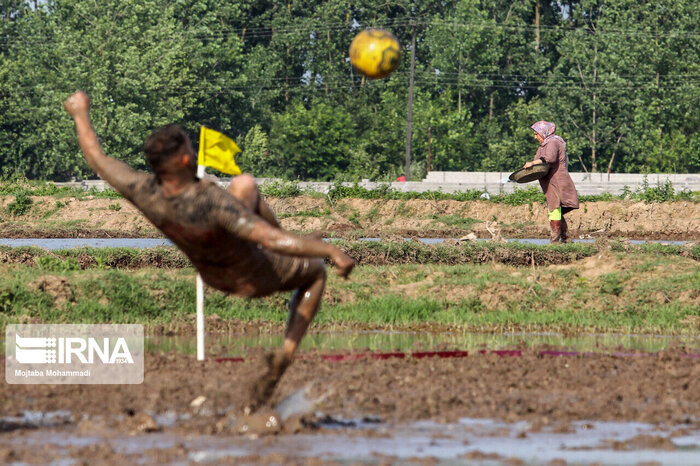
546	130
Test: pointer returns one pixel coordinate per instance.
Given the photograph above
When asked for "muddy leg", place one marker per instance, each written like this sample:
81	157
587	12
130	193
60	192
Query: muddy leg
555	236
244	189
302	309
564	237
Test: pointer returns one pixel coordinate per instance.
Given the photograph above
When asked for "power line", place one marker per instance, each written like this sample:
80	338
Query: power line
350	85
282	31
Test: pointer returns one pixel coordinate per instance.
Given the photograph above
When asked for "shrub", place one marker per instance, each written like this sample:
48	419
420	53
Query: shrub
21	204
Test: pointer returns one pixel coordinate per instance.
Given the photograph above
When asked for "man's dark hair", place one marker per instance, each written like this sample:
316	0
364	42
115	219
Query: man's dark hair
164	142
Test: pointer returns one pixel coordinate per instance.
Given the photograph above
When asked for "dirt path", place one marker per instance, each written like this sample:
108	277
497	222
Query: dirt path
51	217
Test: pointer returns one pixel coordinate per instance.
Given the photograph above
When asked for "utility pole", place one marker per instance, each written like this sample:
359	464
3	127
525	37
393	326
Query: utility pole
409	113
537	26
429	151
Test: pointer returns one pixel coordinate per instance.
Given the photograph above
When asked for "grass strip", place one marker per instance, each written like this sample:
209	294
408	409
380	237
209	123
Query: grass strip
366	252
619	293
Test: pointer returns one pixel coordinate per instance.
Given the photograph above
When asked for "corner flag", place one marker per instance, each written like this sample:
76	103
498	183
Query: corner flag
217	151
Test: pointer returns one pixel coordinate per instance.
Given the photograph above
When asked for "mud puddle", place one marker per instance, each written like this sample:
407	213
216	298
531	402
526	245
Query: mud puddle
533	241
381	341
141	243
69	243
469	441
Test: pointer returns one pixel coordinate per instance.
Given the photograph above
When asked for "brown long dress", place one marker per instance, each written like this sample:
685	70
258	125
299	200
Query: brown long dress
558	187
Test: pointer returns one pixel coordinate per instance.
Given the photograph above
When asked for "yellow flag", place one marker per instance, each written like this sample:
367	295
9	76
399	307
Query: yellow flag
217	151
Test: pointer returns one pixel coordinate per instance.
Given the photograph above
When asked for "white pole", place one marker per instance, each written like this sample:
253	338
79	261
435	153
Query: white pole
200	318
200	296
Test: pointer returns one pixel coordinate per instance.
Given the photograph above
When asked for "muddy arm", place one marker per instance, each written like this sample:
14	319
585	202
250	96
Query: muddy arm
284	242
115	172
255	229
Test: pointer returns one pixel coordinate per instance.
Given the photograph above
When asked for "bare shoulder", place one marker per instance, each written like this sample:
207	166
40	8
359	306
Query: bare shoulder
136	185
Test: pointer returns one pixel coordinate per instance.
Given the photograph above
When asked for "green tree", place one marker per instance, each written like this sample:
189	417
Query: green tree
130	56
311	143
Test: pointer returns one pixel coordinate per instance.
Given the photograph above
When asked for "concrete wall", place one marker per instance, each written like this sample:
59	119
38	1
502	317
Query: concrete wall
492	182
586	183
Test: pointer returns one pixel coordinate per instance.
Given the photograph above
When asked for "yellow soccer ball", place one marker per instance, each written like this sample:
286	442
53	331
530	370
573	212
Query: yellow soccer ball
375	53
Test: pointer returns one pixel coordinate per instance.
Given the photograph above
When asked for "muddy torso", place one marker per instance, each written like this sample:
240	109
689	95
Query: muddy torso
205	222
559	189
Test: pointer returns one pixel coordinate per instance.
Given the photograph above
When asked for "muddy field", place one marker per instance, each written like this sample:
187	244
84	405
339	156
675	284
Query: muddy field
374	410
91	217
539	391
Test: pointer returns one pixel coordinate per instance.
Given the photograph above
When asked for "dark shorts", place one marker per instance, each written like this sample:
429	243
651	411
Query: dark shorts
295	272
263	273
286	273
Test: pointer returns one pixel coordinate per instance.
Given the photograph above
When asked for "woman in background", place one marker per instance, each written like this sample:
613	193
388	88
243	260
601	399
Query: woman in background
558	187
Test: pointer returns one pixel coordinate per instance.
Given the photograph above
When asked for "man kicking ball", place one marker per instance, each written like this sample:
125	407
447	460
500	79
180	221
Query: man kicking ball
231	237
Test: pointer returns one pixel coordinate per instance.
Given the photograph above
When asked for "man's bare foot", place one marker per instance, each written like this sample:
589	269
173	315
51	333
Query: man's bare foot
263	388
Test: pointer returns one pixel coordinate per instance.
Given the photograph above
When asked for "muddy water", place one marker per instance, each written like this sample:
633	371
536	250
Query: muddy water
486	441
69	243
469	441
381	341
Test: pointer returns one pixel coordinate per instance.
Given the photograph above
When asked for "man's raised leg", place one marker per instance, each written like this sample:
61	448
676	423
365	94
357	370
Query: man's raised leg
244	188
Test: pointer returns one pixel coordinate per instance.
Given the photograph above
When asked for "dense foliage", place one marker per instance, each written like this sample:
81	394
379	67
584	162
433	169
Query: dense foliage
621	79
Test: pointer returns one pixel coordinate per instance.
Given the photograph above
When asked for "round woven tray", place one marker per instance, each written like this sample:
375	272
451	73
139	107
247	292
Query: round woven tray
525	175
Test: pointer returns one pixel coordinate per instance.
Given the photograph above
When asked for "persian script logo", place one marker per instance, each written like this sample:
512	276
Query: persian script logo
37	350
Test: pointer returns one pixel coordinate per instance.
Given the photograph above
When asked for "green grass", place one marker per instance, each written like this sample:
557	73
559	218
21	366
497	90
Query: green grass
410	253
21	204
43	188
633	297
456	221
58	205
306	213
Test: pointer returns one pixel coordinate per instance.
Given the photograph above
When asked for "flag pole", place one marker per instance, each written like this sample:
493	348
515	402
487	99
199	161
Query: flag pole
200	296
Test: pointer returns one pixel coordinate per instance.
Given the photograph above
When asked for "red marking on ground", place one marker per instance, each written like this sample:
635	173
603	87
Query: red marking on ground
229	359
